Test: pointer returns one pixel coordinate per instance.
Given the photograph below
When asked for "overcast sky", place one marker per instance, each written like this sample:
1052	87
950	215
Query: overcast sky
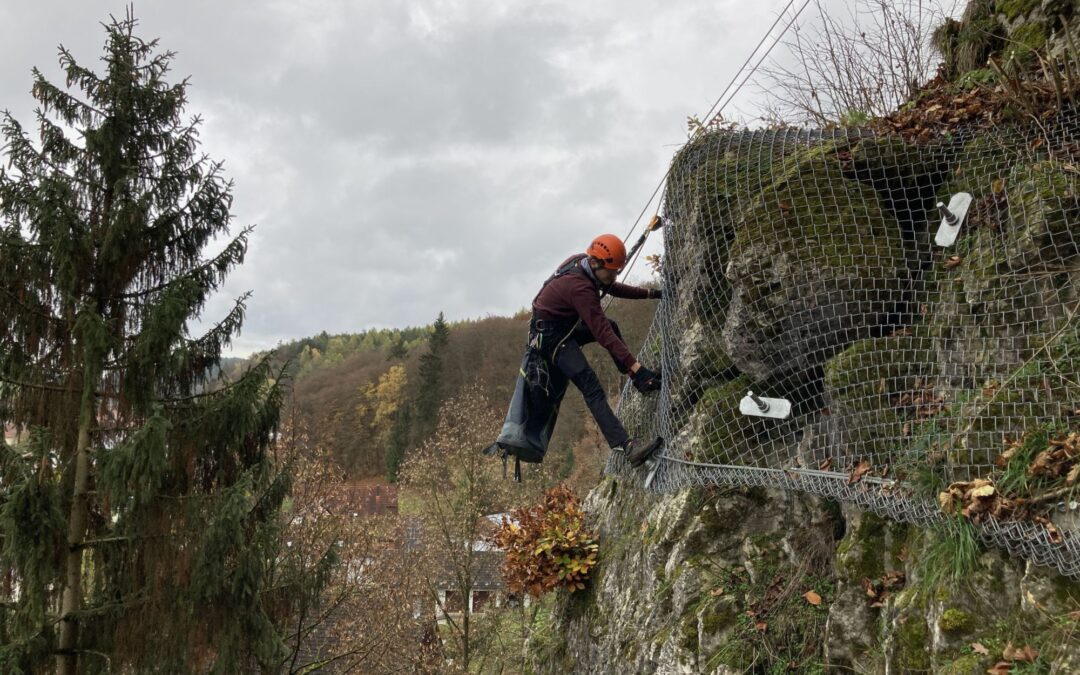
404	158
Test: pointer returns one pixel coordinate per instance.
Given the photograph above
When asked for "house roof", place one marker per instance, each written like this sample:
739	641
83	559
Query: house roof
487	573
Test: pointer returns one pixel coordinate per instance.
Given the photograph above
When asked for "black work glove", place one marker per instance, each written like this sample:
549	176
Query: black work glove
656	293
645	380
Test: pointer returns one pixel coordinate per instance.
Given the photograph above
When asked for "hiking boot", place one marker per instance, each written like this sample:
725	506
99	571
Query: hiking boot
638	450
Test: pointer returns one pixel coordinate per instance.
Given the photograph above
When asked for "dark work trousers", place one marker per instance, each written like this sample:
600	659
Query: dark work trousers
571	362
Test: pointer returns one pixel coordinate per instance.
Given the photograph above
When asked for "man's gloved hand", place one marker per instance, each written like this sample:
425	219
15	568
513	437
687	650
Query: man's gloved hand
655	222
645	380
656	293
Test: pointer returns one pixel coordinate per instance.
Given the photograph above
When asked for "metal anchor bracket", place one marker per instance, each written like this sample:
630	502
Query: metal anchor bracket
759	406
952	217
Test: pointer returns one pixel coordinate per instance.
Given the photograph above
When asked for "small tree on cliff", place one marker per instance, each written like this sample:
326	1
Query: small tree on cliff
139	517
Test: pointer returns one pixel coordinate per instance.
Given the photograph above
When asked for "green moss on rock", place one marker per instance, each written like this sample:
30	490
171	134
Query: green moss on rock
955	620
1014	9
809	208
727	432
912	645
863	385
969	664
1044	204
1026	41
861	552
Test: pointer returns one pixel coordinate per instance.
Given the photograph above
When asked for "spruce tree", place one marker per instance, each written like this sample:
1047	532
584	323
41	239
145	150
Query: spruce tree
139	509
429	395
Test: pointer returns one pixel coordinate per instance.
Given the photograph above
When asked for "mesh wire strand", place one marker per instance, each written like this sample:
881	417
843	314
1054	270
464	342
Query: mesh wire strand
802	265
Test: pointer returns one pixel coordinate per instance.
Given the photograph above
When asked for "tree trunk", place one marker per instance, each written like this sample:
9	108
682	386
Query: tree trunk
67	659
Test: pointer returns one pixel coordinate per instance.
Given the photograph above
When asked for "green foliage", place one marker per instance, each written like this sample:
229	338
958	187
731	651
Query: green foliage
549	546
855	118
105	220
976	78
951	554
430	383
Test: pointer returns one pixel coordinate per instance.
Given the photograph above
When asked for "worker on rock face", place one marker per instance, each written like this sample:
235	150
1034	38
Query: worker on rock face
567	314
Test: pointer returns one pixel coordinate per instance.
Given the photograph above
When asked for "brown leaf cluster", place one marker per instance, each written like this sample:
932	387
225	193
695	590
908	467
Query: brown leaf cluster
976	500
1060	458
878	590
921	403
940	108
1012	655
548	546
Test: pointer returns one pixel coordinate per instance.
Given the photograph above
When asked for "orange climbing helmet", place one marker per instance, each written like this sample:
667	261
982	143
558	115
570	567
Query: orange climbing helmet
609	250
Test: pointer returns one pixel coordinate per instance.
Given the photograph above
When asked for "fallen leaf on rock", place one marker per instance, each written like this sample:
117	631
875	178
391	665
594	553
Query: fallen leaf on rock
978	648
826	465
953	261
719	590
1000	668
1025	653
813	598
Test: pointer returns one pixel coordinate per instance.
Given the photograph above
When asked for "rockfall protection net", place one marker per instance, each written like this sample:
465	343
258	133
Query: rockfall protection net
803	265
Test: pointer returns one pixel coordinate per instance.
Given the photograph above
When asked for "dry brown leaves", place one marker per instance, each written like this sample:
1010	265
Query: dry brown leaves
1009	657
1058	459
879	590
980	498
861	468
941	108
975	499
812	597
921	403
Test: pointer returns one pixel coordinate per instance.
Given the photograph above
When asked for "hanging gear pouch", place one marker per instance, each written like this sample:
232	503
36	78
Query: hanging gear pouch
533	409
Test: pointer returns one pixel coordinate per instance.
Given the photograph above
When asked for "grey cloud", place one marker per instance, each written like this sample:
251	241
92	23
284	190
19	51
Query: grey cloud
401	159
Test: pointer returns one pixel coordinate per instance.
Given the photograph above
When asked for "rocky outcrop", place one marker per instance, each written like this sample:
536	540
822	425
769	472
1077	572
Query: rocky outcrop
724	581
803	264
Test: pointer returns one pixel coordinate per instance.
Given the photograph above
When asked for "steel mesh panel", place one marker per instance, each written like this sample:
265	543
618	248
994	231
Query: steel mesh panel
803	265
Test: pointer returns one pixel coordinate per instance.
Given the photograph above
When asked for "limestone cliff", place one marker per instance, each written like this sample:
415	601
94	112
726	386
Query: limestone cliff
804	263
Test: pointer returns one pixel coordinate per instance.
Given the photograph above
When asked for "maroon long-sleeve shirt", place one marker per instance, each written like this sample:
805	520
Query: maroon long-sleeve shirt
577	295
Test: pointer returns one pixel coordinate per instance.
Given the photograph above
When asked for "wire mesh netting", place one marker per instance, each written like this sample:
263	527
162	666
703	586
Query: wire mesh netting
803	265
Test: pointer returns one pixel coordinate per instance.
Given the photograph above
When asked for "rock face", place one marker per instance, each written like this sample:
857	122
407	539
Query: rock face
814	265
697	582
803	265
719	582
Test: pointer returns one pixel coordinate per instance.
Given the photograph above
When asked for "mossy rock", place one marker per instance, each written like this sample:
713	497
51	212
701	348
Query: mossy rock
911	651
979	163
863	387
955	620
723	433
996	308
861	553
1016	9
1044	207
1026	41
969	664
816	263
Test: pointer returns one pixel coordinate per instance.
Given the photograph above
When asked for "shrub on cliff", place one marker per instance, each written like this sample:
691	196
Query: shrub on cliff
548	546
